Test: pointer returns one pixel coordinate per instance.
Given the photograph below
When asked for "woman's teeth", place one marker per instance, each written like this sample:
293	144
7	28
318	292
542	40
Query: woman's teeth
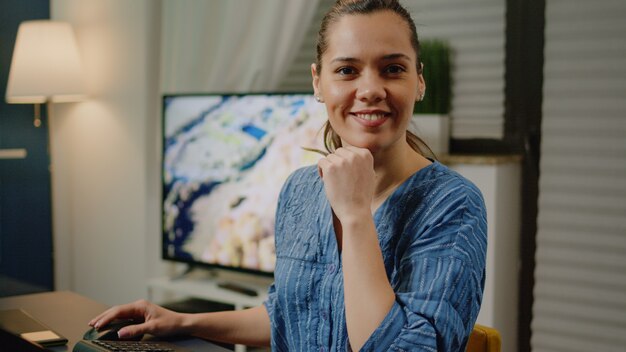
371	117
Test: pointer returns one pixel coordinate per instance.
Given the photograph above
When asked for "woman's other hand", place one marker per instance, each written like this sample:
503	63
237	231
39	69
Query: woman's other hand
154	320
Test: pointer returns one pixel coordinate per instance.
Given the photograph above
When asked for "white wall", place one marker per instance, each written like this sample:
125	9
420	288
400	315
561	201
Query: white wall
104	153
499	180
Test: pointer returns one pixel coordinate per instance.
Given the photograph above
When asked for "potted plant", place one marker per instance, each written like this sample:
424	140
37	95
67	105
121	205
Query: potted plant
431	121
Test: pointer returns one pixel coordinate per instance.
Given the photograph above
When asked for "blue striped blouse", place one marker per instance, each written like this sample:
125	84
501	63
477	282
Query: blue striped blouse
433	234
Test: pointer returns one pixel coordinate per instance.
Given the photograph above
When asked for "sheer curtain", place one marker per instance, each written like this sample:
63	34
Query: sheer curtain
230	45
580	273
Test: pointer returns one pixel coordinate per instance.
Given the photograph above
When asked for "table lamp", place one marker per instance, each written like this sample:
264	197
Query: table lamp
46	66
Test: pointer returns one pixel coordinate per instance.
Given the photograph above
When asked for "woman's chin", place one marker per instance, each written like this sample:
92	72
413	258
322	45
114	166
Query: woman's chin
371	146
374	146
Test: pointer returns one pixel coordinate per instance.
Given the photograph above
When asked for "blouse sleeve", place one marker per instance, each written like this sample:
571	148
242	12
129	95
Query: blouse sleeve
438	281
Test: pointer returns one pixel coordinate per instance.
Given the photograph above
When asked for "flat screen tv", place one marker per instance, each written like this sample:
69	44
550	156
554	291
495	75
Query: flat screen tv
225	159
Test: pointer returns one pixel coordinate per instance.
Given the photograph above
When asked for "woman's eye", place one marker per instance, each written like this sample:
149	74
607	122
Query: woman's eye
394	69
346	71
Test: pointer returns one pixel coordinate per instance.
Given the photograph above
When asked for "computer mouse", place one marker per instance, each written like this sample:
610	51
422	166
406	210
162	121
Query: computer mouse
109	331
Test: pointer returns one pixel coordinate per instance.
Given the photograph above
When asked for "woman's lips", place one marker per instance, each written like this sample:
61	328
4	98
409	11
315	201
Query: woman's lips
370	119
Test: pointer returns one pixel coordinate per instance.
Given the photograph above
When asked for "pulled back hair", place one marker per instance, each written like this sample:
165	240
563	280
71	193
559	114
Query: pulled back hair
342	8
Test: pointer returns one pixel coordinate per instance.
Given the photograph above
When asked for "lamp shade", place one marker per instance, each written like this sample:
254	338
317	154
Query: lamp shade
46	64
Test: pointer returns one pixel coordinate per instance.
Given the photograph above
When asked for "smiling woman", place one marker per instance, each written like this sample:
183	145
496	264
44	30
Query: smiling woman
378	248
370	90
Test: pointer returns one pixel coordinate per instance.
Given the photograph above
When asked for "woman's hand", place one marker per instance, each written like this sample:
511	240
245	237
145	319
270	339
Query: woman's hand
155	320
349	181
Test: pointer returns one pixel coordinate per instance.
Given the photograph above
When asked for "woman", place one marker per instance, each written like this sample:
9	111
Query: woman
378	247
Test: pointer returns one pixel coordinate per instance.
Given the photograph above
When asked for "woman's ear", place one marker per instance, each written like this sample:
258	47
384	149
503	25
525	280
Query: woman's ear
421	85
316	80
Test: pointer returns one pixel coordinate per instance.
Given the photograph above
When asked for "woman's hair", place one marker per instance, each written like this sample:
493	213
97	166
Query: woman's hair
363	7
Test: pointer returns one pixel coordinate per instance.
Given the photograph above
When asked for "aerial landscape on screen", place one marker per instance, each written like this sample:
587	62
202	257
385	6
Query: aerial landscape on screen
225	159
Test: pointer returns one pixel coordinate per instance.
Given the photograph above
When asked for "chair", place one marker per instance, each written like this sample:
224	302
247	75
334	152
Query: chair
484	339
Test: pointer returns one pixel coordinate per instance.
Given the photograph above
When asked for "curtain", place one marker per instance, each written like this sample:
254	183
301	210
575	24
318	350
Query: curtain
580	275
230	45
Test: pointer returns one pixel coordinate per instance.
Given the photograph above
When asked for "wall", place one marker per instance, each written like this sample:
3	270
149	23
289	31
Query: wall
105	176
25	209
499	180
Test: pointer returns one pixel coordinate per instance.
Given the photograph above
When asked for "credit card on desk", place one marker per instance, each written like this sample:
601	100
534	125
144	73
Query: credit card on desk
19	323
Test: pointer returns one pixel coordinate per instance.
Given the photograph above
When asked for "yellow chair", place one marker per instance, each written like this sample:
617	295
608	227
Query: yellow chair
484	339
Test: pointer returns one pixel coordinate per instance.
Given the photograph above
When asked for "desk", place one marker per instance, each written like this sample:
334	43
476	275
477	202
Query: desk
68	314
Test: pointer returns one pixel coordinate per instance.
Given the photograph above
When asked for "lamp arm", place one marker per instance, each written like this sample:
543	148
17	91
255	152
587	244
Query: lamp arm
37	120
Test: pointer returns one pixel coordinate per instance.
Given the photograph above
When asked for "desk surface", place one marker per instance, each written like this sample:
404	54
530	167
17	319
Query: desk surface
68	314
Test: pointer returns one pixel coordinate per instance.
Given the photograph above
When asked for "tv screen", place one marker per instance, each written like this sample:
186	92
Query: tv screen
225	159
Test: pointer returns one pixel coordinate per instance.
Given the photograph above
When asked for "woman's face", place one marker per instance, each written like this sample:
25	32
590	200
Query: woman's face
369	80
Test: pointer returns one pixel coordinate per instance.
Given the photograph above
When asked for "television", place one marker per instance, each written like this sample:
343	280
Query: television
225	158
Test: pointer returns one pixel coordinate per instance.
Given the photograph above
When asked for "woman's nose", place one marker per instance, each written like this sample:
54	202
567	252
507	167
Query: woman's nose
370	88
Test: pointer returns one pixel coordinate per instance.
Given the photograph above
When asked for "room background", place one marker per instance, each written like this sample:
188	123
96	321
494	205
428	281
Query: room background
106	168
106	150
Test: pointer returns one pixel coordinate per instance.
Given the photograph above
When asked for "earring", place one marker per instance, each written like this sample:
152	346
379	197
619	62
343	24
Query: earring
422	96
318	99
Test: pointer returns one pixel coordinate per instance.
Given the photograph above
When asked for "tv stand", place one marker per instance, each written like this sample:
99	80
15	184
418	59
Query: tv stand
227	285
239	290
236	289
190	268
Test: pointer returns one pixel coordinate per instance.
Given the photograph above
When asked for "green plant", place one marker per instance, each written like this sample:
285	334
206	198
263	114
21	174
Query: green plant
436	59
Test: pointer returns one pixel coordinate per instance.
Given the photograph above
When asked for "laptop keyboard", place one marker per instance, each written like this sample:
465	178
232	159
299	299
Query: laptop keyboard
132	346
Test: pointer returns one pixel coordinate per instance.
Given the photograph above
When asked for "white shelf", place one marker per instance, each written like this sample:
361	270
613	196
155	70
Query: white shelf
205	286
